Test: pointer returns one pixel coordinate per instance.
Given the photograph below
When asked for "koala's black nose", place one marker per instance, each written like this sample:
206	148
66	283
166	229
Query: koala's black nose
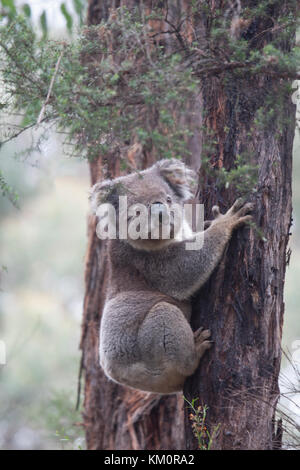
159	204
158	207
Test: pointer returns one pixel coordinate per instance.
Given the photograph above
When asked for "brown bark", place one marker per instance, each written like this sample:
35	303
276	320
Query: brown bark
242	303
116	417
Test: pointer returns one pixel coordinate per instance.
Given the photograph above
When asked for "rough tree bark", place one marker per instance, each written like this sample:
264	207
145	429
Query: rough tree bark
116	417
242	303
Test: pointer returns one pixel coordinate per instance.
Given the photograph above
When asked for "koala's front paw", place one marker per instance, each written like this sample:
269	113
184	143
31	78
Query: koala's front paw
236	215
238	211
201	341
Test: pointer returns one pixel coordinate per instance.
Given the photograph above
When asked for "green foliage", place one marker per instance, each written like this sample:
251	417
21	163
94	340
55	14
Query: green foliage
79	7
273	112
100	103
44	24
63	421
254	38
26	10
243	176
38	391
115	85
10	9
198	417
8	191
68	17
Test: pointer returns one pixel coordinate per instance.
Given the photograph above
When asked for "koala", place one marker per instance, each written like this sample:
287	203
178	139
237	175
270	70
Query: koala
146	341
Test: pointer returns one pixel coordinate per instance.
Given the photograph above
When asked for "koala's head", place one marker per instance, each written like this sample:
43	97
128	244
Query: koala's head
145	206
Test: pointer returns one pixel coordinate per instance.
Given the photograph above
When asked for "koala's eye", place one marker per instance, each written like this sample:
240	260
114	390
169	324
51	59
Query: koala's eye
169	199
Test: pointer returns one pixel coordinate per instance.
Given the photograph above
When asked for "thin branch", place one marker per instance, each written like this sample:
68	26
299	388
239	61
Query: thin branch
50	88
23	129
17	134
177	32
218	68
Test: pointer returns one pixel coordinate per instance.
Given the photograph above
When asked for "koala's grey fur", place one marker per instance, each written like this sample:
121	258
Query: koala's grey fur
146	341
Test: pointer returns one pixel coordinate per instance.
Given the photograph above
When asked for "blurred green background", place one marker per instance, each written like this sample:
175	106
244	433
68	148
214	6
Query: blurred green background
42	250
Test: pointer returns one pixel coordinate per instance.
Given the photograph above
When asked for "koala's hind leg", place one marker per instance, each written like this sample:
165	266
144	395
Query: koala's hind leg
169	349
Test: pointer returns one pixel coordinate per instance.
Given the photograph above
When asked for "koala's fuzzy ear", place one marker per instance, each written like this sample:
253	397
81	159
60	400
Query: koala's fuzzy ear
101	193
181	178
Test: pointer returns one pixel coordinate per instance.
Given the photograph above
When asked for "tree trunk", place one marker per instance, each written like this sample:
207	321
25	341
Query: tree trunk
242	303
116	417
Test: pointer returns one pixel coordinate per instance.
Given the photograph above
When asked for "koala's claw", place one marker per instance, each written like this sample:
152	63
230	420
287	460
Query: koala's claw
240	208
237	205
245	209
201	334
235	216
241	216
243	220
238	212
198	331
201	342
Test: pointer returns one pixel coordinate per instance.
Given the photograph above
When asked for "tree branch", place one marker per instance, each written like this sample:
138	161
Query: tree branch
50	88
218	68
